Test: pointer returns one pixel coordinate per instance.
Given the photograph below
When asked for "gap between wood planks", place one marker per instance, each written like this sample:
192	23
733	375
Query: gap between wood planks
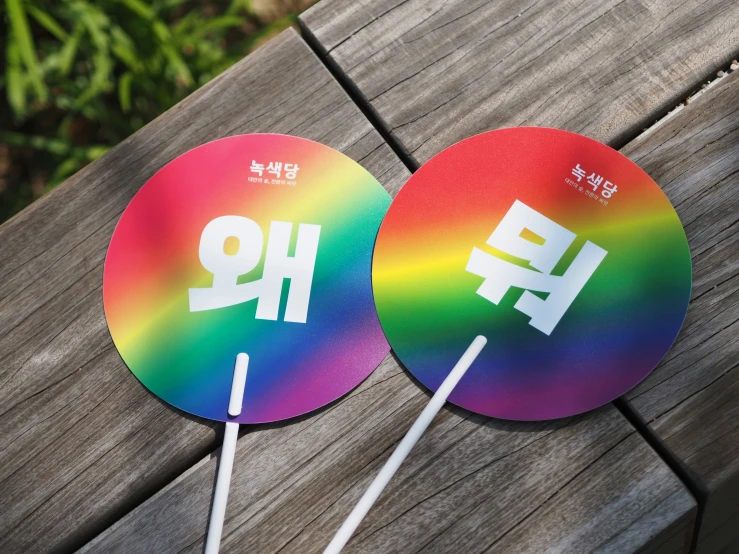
691	481
359	100
691	97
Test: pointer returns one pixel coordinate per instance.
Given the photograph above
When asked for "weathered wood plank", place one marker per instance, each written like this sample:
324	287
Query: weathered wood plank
438	71
691	401
471	485
81	441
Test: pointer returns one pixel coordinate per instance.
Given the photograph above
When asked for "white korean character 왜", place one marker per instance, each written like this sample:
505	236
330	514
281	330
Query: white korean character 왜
275	168
578	172
595	181
291	171
298	266
256	168
608	190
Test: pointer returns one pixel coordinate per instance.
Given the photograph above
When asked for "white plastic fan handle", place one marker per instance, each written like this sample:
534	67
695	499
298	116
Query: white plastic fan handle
403	449
223	482
239	383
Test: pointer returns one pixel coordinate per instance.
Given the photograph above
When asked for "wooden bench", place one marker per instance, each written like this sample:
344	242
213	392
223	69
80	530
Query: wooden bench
436	72
89	459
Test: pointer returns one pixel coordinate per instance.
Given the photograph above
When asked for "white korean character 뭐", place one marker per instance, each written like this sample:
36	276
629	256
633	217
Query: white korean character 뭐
291	171
578	172
595	181
500	275
608	190
275	168
256	168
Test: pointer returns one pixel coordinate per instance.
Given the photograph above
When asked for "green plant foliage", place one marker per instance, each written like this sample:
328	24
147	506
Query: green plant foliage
79	76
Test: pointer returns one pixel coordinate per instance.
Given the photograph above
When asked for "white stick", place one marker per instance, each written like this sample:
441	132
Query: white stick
223	482
239	383
403	449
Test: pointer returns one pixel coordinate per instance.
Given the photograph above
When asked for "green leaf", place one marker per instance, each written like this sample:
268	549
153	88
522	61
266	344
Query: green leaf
161	5
139	8
217	23
47	22
51	145
186	23
124	91
124	49
21	33
94	152
69	50
170	52
15	80
96	23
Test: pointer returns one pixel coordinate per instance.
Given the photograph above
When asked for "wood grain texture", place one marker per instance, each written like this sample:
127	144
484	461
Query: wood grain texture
81	440
438	71
472	484
691	401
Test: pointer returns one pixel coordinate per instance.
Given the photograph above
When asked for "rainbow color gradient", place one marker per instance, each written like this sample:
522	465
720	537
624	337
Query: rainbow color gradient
615	332
187	358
